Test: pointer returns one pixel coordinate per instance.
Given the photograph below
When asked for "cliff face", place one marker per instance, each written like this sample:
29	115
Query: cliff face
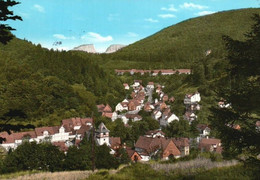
86	48
114	48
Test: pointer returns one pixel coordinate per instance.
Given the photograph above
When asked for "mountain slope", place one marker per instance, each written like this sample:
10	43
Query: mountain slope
180	44
46	85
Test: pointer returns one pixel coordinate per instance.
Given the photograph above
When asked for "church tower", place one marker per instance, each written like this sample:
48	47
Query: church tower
102	135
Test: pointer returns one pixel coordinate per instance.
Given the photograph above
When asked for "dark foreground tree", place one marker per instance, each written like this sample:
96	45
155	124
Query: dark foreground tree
6	14
241	88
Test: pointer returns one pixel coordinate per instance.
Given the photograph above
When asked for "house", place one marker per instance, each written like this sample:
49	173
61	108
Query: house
148	147
157	114
133	117
165	98
189	116
192	98
124	118
169	150
70	129
126	86
183	71
102	135
148	107
155	133
183	145
204	130
133	155
150	85
167	71
114	116
136	84
134	105
210	145
115	144
122	106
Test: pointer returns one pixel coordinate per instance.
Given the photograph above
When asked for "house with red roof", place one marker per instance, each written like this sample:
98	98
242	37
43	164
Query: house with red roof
148	147
74	128
210	145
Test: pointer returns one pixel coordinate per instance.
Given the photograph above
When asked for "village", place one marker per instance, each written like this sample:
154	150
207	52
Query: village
152	144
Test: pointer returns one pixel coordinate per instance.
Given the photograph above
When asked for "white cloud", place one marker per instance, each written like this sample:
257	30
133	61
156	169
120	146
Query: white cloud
202	13
95	37
61	36
170	8
39	8
151	20
132	34
166	15
193	6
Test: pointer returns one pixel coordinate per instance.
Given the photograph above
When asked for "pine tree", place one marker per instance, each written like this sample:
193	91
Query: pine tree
6	14
240	88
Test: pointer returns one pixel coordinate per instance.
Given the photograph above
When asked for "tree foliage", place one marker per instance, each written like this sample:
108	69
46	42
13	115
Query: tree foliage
6	14
241	88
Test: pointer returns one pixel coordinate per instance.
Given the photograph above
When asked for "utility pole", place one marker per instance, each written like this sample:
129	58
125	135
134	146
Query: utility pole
93	143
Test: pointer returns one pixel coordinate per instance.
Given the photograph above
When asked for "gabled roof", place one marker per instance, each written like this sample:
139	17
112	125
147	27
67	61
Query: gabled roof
51	130
107	114
210	141
132	116
102	128
166	143
181	142
107	108
114	141
8	137
76	122
202	126
83	129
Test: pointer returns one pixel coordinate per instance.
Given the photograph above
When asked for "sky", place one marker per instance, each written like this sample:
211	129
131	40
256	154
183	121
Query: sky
106	22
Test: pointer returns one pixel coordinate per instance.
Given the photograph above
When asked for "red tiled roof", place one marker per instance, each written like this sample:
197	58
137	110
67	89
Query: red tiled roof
150	83
114	141
202	126
210	141
165	144
8	137
132	116
181	142
107	108
107	114
51	130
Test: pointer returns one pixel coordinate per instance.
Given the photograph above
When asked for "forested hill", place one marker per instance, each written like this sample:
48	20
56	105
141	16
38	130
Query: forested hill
179	45
44	86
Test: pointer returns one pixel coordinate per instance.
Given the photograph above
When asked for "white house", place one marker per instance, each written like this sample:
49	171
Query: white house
195	98
122	106
114	116
171	118
157	114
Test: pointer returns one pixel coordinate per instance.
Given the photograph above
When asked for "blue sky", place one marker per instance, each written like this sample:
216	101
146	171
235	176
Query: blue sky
106	22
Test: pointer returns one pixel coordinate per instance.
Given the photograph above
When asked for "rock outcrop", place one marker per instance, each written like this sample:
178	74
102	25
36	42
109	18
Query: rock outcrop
86	48
113	48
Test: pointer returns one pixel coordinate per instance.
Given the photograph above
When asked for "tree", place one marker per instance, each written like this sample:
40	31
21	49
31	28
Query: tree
6	14
241	88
